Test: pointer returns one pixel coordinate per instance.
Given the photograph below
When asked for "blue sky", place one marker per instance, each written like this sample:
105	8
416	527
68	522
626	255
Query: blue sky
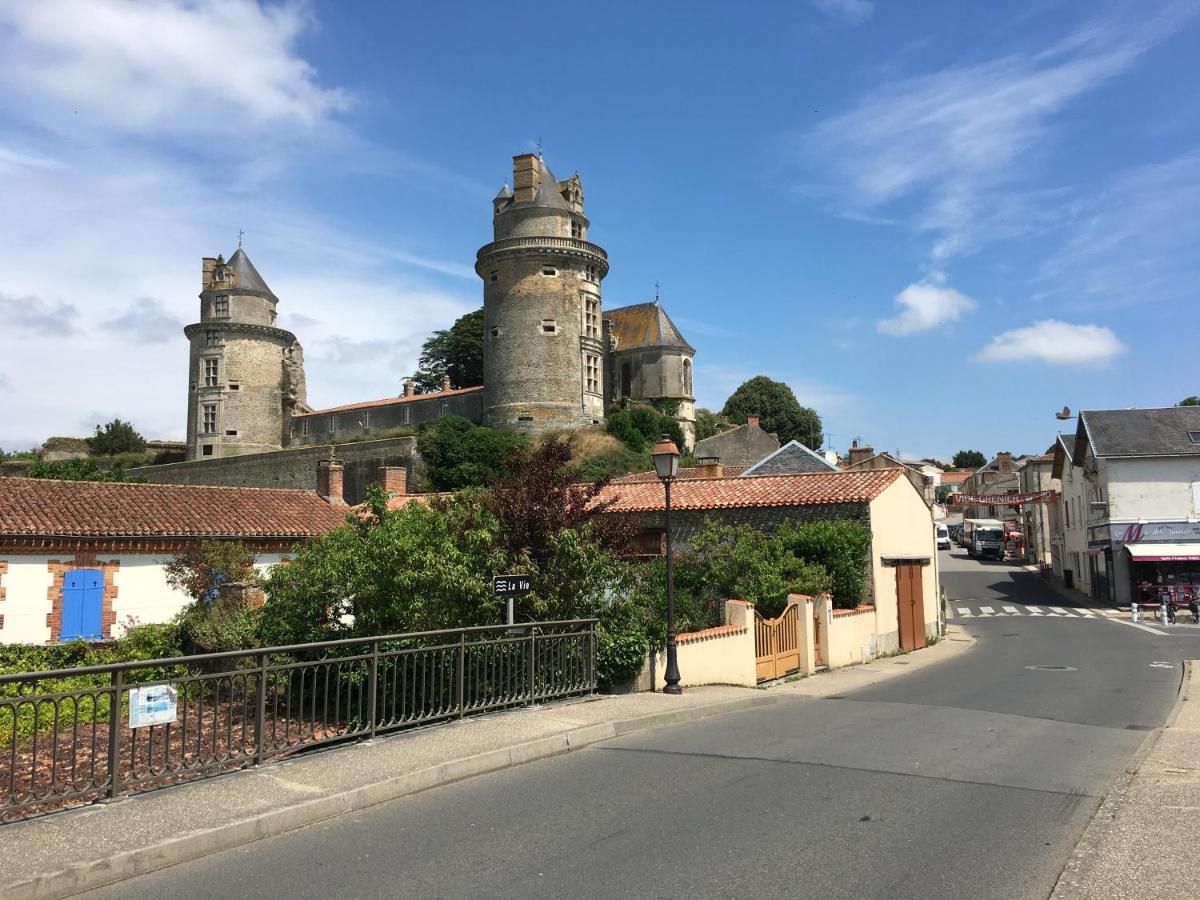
938	222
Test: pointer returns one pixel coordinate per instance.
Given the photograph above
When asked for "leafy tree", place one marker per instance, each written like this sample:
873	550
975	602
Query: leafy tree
456	351
842	547
79	470
116	437
459	453
640	427
201	569
709	423
969	459
1190	401
778	409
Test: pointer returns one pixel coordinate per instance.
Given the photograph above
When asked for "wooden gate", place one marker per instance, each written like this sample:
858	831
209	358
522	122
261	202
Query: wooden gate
777	644
910	606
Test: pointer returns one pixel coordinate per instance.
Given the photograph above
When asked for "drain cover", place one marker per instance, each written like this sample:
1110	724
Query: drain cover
1052	668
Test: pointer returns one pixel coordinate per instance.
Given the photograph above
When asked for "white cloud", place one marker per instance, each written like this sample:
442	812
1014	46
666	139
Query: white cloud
925	305
33	315
185	66
1055	342
145	321
958	142
852	12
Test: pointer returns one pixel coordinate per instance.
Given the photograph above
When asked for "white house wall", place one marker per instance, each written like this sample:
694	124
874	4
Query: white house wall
901	526
26	602
1152	489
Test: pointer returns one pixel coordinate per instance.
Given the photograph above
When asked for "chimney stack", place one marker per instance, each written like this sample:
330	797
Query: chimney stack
709	467
752	422
527	175
445	383
409	390
1004	463
393	479
858	454
329	481
206	271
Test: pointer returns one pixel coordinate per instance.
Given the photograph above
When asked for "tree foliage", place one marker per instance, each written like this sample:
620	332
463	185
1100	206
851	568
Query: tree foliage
1190	401
639	427
841	547
116	437
778	410
201	569
79	470
456	351
969	459
460	454
709	423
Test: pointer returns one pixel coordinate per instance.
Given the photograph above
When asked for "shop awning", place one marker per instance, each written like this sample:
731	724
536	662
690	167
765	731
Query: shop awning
1164	552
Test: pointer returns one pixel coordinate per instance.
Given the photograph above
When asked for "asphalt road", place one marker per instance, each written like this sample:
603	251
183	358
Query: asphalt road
972	778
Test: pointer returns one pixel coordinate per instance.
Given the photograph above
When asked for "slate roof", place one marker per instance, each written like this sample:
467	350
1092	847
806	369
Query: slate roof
687	473
1139	432
37	507
248	276
792	458
644	325
755	491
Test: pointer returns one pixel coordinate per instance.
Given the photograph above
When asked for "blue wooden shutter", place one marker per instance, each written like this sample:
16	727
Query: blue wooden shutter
83	604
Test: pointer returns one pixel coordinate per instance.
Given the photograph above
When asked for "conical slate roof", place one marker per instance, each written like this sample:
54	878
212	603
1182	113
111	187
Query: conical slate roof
548	193
504	192
247	276
645	325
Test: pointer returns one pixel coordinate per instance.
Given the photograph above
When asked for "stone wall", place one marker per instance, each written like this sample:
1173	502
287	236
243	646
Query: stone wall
316	429
296	467
686	522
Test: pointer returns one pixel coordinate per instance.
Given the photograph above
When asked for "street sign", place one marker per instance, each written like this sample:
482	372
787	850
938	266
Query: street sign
510	585
152	704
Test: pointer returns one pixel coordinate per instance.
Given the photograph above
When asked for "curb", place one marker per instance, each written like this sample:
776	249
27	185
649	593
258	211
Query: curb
204	842
1070	881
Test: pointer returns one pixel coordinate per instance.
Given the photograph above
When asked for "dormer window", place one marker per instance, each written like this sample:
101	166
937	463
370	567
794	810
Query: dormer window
1194	437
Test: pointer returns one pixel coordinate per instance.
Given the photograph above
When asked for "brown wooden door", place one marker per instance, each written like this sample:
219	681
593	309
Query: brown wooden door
910	607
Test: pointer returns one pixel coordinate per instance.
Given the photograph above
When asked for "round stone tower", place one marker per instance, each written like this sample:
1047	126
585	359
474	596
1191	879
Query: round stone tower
543	354
245	376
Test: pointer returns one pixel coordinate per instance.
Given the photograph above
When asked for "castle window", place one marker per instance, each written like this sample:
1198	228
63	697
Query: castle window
210	418
549	326
213	338
221	305
231	434
549	270
304	426
207	450
687	377
235	387
494	276
495	333
591	316
626	380
407	415
333	424
211	368
524	418
576	230
592	373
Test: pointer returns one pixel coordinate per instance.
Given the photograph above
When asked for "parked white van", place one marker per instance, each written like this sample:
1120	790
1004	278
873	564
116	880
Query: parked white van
943	537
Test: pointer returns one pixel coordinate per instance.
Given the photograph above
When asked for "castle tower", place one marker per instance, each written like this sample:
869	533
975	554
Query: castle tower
245	376
543	351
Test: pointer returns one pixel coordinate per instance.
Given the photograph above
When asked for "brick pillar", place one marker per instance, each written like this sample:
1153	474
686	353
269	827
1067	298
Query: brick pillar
329	481
393	479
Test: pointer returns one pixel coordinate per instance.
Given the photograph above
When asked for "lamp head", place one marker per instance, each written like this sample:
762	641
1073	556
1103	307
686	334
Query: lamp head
666	457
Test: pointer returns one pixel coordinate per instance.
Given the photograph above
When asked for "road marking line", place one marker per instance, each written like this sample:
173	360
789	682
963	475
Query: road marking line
1059	610
985	610
1084	612
1035	610
1011	609
1139	626
964	612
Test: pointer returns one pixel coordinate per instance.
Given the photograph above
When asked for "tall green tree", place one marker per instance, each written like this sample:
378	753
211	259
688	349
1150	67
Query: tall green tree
456	351
1190	401
459	453
709	423
778	409
969	459
117	436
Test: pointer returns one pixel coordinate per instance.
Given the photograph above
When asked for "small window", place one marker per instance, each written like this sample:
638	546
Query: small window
1194	437
206	450
494	276
211	369
549	326
235	387
576	230
549	270
591	316
209	421
407	415
221	305
524	418
213	338
592	373
495	333
333	424
304	426
231	434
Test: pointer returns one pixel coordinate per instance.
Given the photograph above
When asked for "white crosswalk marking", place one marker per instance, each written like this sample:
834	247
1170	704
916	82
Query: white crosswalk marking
1085	612
1011	609
1059	610
1034	610
974	611
985	610
964	612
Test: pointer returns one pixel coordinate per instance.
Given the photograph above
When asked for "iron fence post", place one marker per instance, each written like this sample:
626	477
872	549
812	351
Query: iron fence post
462	672
260	706
373	687
114	733
532	658
592	656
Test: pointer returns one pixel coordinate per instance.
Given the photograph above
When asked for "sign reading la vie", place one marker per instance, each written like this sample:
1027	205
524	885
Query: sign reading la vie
510	585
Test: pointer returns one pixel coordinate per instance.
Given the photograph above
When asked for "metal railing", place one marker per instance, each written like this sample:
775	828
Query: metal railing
65	735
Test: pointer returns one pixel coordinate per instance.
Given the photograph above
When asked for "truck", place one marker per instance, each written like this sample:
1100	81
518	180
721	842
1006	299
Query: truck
985	537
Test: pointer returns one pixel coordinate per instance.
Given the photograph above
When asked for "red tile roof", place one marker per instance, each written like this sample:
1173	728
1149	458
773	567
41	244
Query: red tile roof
47	508
391	401
686	473
815	489
955	477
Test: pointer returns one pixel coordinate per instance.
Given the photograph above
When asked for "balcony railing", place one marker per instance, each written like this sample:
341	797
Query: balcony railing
542	243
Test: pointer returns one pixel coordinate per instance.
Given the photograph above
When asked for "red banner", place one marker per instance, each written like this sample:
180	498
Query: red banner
1002	499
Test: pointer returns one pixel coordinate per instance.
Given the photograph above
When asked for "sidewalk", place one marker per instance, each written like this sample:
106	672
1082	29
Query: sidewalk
1139	844
108	843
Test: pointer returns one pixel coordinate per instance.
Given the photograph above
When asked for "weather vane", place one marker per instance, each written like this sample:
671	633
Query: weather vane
539	147
241	234
656	292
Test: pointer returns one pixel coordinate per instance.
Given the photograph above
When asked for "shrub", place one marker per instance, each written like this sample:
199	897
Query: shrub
116	437
620	655
218	626
460	454
842	547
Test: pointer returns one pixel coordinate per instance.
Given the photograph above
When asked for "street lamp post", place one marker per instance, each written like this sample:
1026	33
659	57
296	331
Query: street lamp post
666	464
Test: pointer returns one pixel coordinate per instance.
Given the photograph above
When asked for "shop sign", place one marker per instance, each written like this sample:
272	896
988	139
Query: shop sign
1157	531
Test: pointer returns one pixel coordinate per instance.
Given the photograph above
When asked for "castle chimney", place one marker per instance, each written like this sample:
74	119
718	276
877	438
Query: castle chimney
709	467
206	271
329	481
393	479
409	390
1004	463
527	175
445	383
752	422
858	454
